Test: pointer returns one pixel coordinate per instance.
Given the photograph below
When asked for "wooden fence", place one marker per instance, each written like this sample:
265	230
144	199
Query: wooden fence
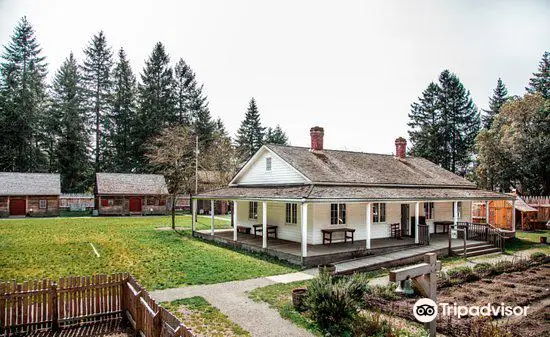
75	301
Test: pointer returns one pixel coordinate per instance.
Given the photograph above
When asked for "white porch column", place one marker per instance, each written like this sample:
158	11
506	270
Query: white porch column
211	217
304	230
369	221
194	215
416	221
514	215
234	215
264	224
455	216
487	211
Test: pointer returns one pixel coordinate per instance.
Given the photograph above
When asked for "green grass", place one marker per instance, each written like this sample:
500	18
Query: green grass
54	247
73	214
204	319
526	240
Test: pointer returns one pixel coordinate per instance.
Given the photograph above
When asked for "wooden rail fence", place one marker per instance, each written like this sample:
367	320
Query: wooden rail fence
75	301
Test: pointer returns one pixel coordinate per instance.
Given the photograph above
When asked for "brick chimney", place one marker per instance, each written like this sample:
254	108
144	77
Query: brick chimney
400	148
316	134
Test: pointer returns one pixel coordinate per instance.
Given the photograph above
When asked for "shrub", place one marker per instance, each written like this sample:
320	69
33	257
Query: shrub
334	305
484	269
538	257
503	267
375	325
386	292
463	273
522	264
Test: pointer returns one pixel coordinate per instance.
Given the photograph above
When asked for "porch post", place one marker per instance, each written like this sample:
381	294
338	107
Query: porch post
455	214
304	230
212	217
264	224
194	215
234	215
369	220
416	221
487	211
514	215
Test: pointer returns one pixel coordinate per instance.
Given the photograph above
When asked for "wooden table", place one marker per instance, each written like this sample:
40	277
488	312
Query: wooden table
243	229
329	232
271	229
444	224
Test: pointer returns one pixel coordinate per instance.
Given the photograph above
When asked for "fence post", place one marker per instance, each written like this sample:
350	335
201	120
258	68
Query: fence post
55	311
487	232
157	323
139	313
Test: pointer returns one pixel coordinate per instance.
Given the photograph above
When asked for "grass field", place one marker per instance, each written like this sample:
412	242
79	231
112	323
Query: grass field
53	247
526	240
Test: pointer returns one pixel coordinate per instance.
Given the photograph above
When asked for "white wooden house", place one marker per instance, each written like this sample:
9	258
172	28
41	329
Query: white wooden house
301	192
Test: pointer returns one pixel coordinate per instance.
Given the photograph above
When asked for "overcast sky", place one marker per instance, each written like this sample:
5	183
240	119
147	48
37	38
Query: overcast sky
353	67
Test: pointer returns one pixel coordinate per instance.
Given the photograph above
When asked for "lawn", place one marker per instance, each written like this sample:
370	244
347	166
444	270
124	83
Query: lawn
526	240
53	247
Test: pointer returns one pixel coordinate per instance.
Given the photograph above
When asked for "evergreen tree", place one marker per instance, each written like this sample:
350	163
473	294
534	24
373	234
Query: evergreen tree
425	123
203	125
250	135
276	136
184	83
500	95
460	124
22	88
540	82
68	105
97	79
123	116
156	102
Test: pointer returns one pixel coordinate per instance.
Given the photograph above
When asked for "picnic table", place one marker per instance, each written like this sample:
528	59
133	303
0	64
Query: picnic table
329	232
271	229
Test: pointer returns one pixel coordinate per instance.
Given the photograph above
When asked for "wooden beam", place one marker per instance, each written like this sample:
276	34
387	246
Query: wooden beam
369	225
414	271
304	229
212	217
416	221
235	215
264	224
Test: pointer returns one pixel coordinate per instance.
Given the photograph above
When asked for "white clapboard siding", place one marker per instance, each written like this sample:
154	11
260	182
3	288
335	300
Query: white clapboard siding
281	172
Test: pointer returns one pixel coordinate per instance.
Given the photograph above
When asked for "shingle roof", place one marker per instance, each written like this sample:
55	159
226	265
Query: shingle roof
346	167
14	183
130	184
360	193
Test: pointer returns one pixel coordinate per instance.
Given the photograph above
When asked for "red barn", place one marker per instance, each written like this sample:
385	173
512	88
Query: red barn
29	194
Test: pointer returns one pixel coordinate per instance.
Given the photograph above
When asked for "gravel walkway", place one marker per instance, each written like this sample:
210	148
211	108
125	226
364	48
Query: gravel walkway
231	299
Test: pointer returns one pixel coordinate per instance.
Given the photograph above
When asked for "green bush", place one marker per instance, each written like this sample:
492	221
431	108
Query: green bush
503	267
374	325
463	273
522	264
334	303
484	269
386	292
538	257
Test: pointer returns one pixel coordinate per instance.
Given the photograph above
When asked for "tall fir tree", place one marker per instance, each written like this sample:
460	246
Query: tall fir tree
500	95
425	123
123	116
23	92
68	105
276	136
250	135
156	109
184	83
97	79
540	82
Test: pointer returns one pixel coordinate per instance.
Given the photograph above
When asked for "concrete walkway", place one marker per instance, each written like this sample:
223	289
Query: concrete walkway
231	299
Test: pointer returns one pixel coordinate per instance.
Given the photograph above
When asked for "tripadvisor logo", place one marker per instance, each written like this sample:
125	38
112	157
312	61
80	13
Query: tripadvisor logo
425	310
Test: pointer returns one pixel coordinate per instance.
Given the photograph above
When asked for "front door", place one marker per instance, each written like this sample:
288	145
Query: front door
135	205
18	206
405	219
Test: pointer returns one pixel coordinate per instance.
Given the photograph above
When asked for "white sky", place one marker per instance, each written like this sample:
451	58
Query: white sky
353	67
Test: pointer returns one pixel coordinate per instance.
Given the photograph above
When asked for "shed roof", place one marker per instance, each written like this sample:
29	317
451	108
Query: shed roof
359	168
130	184
19	184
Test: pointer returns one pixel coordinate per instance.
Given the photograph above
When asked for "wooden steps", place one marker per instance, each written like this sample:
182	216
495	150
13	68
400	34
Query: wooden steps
476	249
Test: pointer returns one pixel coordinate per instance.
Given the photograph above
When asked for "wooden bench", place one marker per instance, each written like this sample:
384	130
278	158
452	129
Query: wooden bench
243	229
444	226
329	232
271	229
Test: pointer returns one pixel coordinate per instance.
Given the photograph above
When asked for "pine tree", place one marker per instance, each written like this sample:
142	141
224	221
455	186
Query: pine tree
276	136
250	135
156	103
500	95
123	116
460	124
184	82
425	123
540	82
203	125
68	105
97	79
23	92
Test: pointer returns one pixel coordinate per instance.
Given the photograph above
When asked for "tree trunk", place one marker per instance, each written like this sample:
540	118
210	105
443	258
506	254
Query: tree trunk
174	211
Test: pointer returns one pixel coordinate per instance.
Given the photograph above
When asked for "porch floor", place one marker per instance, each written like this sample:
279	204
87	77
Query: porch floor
291	251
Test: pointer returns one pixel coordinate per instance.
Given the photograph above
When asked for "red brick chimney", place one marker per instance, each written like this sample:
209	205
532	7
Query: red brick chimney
316	134
400	148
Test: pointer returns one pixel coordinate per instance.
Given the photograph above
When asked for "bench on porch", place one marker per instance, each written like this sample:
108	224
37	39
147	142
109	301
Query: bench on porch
243	229
329	232
444	226
271	229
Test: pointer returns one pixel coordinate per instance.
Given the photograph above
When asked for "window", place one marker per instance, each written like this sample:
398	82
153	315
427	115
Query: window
42	204
429	210
337	214
291	213
268	164
253	210
459	208
378	212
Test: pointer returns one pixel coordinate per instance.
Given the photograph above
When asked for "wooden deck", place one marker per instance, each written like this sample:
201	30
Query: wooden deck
321	254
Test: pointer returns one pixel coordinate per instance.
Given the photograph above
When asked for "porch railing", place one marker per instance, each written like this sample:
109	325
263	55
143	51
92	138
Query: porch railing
423	235
483	232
